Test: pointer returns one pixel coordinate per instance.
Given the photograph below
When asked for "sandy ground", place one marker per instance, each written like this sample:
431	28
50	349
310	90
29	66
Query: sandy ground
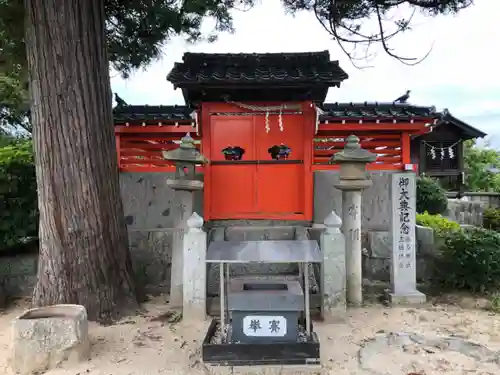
143	345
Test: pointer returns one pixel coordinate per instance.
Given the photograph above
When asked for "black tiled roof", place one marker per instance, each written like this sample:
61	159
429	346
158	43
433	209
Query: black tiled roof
375	111
332	111
257	68
131	113
469	130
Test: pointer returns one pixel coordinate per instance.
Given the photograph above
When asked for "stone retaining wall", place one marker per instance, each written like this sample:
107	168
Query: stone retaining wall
378	249
488	199
465	212
151	256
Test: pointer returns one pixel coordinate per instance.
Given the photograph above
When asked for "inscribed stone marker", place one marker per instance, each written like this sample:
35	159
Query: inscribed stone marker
403	265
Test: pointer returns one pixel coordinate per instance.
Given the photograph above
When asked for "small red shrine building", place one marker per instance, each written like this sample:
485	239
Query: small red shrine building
261	121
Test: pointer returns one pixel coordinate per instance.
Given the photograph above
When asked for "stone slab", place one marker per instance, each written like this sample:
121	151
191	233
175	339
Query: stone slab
415	298
296	251
267	370
245	233
380	243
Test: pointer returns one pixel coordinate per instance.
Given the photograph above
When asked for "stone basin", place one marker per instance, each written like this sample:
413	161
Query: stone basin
45	337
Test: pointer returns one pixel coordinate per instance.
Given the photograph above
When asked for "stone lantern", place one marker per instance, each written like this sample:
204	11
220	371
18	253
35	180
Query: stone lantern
353	179
184	183
186	157
353	160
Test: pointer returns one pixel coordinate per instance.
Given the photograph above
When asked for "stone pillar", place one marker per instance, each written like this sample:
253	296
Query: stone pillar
351	212
353	179
194	270
333	271
403	265
185	200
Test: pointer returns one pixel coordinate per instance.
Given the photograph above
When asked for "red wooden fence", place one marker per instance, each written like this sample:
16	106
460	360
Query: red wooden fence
388	148
140	149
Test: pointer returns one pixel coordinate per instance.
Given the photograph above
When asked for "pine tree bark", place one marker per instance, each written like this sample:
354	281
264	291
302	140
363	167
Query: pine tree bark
84	255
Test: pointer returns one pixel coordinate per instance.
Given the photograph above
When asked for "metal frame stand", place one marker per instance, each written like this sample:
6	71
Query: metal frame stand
224	285
227	353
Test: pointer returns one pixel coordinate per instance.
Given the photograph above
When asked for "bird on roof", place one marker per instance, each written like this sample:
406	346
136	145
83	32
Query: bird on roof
119	101
403	98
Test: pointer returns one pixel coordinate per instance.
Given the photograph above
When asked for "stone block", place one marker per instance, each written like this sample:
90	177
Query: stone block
376	203
259	234
149	203
376	268
380	244
18	274
407	299
151	253
45	337
310	369
425	240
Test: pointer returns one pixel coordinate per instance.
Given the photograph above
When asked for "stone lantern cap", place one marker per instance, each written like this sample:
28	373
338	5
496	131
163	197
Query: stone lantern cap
353	153
186	152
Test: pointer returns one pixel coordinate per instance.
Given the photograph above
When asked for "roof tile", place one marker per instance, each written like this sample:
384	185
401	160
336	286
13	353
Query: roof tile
308	67
133	113
332	111
375	111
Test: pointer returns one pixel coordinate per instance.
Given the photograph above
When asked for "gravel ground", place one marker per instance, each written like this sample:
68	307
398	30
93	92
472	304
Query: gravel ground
376	340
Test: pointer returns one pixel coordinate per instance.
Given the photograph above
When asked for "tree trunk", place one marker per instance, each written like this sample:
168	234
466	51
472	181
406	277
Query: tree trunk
84	256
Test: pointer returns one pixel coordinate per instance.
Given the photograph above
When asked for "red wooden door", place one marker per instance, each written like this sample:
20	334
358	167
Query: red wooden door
232	190
258	186
280	183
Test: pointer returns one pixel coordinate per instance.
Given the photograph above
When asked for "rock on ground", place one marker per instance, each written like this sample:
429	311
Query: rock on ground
45	337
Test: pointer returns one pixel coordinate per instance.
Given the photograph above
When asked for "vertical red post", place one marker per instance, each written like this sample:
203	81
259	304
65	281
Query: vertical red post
405	148
204	130
118	149
310	124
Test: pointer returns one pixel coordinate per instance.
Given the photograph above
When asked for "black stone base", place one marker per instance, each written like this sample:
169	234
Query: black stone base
299	353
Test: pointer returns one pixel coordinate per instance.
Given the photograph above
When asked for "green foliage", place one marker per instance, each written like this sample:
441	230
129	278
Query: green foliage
137	31
495	302
491	219
431	197
18	194
14	102
478	162
470	260
438	223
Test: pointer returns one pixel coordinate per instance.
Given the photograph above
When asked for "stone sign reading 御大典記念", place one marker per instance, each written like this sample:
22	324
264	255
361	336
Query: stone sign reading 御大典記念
403	266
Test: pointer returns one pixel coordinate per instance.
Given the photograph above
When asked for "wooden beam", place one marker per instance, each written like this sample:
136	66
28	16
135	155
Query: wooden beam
148	146
370	167
353	128
385	151
359	135
146	168
366	145
154	129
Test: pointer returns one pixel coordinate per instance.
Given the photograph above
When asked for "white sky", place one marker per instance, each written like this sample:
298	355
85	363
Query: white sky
461	74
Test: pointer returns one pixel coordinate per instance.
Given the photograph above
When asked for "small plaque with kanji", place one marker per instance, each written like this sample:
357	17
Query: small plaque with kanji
264	326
